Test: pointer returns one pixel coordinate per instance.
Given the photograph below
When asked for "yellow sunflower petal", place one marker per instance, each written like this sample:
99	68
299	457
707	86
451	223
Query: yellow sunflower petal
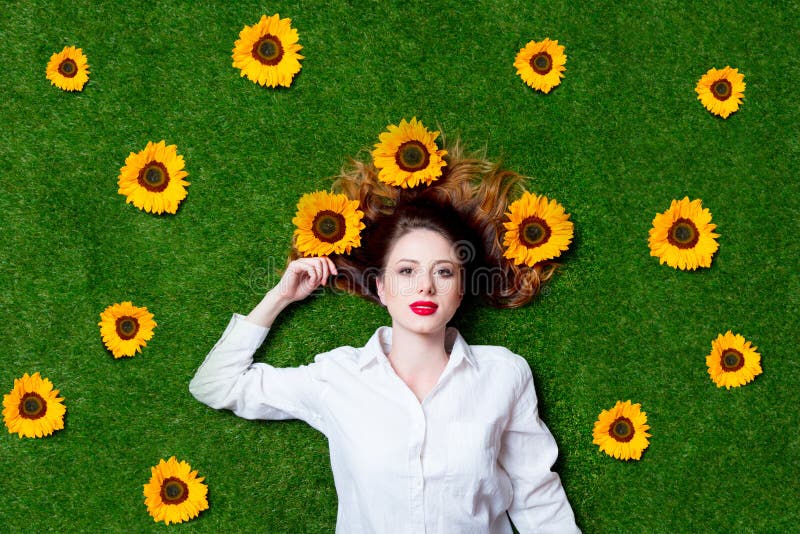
126	328
174	493
538	229
68	69
327	223
683	236
153	179
33	408
267	52
407	155
721	91
733	361
621	432
541	64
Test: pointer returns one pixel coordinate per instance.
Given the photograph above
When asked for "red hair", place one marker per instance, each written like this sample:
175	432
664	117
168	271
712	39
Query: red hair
467	205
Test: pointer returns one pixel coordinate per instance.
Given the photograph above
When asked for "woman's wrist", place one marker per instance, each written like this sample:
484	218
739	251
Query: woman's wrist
266	311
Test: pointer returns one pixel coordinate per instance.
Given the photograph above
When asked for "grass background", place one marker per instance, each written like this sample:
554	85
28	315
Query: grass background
618	140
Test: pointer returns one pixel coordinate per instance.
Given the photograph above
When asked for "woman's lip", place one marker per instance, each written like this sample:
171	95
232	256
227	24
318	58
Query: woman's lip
423	307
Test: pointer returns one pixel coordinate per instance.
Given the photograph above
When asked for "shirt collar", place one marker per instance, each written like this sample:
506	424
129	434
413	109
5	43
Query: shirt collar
380	344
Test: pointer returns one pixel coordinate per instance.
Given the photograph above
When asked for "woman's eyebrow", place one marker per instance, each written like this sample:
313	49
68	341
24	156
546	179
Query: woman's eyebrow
436	262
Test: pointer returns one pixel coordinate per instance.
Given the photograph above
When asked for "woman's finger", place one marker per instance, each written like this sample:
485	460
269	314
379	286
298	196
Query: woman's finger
331	266
313	275
318	270
325	271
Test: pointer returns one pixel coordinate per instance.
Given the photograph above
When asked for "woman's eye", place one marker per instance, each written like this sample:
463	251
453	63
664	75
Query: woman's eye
405	270
445	273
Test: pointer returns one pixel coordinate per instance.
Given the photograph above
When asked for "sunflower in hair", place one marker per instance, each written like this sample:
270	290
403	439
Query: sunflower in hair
68	69
683	236
327	223
538	229
721	91
33	409
541	64
175	493
407	155
733	361
621	432
267	52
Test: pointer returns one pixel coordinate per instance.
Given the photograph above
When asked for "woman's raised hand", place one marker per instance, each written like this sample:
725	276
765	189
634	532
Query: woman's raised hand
303	276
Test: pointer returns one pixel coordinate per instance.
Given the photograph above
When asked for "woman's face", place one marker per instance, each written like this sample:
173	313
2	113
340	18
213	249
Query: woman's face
421	286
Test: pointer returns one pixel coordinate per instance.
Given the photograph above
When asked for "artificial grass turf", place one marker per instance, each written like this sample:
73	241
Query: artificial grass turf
621	137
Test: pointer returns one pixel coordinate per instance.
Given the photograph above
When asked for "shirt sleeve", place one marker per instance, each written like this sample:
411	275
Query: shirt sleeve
228	379
528	452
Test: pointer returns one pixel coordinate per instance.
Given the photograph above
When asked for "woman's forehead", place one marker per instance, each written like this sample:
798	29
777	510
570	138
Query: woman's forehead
424	246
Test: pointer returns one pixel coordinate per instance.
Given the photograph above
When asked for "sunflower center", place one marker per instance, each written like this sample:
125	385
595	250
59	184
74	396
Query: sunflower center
68	68
534	232
174	491
268	50
154	177
683	234
732	360
542	63
329	226
722	90
32	406
127	327
412	156
621	430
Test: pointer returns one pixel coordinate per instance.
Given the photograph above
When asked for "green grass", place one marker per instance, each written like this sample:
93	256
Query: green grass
618	140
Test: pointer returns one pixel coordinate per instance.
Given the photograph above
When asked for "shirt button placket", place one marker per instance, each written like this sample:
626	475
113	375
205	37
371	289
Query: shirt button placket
417	488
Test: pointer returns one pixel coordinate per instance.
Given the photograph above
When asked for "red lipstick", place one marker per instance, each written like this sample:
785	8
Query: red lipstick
423	307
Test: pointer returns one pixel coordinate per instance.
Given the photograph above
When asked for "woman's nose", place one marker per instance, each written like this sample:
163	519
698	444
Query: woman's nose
425	284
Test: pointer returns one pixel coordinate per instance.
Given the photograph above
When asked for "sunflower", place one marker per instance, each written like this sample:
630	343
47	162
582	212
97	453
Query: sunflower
175	494
125	328
621	432
721	91
68	69
541	64
683	236
267	52
153	178
538	230
327	223
33	408
733	361
407	155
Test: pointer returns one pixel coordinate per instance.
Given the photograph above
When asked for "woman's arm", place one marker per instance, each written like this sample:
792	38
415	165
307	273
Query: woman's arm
528	453
301	278
228	378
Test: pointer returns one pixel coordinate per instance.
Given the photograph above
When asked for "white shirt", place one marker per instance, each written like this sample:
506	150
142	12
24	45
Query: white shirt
473	449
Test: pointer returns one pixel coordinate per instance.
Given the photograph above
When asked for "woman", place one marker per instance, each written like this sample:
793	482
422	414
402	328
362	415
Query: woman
426	433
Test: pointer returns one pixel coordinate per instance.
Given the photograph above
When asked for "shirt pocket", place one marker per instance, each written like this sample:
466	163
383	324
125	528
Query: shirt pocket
471	450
